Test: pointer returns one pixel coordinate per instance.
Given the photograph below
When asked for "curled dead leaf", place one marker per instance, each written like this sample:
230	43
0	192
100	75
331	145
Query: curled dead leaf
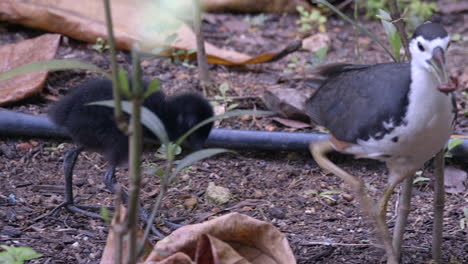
253	241
141	23
27	51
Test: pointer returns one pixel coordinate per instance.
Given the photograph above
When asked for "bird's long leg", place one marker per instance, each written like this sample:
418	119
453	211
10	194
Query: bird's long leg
404	207
319	151
69	162
439	200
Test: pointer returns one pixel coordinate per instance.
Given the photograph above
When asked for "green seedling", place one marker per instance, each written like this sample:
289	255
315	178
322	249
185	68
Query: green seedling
326	194
419	177
318	57
17	255
100	45
392	33
256	21
224	98
308	20
451	145
292	63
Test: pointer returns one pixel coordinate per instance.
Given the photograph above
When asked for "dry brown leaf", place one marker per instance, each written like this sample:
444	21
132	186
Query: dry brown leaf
177	258
143	23
27	51
291	123
256	241
260	6
108	256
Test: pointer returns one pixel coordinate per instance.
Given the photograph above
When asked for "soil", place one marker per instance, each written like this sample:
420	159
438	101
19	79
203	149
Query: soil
273	187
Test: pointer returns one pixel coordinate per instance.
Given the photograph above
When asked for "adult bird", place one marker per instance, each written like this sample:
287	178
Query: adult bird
93	127
399	113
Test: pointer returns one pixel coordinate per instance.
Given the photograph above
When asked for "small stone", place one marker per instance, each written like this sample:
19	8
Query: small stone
246	209
348	197
25	146
190	203
330	202
217	194
258	194
185	177
277	213
76	244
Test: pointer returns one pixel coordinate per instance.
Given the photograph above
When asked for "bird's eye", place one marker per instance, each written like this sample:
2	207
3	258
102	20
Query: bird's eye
420	46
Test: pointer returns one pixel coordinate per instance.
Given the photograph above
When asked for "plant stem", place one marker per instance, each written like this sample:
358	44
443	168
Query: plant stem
356	31
439	200
201	54
119	117
400	25
135	159
164	186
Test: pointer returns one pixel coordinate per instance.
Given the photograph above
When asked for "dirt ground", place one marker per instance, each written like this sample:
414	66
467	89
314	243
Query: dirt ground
274	187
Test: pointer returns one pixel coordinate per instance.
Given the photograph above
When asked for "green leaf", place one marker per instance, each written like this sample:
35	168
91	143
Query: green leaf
152	87
391	32
52	65
321	53
148	118
454	142
124	86
331	192
17	255
365	31
420	179
105	214
223	116
196	156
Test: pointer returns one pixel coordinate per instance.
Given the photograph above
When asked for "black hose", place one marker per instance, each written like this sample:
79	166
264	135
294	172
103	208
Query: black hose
18	124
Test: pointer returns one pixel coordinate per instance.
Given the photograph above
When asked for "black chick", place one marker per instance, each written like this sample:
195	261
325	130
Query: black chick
93	127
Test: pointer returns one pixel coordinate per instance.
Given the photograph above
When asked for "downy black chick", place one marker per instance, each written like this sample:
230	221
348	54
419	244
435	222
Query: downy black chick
93	127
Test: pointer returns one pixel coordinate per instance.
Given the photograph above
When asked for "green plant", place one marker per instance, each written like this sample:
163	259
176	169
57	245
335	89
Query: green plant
100	45
224	98
318	57
255	21
392	33
420	178
451	145
325	194
308	19
17	255
415	11
292	63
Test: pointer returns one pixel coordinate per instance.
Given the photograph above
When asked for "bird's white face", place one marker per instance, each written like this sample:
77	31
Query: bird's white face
430	55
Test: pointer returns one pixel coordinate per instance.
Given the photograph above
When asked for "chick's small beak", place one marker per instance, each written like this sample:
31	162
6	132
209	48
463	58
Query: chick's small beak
437	63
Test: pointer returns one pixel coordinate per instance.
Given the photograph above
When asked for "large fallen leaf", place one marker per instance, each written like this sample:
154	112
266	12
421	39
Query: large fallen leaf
260	6
232	238
27	51
155	30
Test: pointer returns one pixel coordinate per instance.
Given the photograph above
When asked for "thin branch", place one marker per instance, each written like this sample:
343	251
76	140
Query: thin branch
397	20
135	141
119	117
201	54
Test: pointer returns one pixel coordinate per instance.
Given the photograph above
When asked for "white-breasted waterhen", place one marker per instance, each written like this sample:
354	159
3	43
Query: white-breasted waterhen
93	127
399	113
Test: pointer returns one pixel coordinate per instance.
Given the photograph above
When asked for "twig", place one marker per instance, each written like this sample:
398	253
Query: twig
400	25
136	144
201	54
333	244
119	117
